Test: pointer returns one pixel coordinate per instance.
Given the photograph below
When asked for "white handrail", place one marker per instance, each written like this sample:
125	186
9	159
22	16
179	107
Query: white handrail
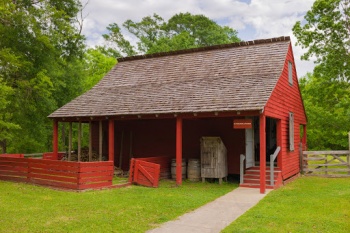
272	168
241	168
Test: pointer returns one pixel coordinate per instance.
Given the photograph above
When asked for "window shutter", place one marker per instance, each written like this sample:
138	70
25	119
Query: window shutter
291	131
290	73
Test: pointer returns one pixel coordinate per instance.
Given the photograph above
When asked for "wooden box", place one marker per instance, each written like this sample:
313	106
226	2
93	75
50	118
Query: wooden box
213	158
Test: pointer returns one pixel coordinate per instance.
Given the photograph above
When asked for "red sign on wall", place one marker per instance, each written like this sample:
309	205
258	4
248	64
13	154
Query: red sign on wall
242	123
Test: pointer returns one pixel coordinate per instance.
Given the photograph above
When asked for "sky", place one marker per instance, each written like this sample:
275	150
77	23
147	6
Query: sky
253	19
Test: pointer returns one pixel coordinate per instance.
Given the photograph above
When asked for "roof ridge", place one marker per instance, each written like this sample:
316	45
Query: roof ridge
212	47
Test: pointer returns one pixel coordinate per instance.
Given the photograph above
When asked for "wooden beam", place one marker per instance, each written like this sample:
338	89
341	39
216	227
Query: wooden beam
79	141
100	137
111	140
178	151
262	121
90	141
55	139
70	142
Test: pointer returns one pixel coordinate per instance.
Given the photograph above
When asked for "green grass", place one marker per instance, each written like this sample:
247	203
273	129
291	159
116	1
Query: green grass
29	208
309	204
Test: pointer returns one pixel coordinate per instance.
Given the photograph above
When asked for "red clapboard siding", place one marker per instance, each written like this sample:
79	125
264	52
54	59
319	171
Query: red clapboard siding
284	99
60	174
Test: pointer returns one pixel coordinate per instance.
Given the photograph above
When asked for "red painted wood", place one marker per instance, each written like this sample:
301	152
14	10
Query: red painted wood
53	178
96	164
13	173
96	169
53	173
262	122
51	155
178	151
111	140
284	99
145	173
55	139
164	162
95	174
12	155
55	184
131	170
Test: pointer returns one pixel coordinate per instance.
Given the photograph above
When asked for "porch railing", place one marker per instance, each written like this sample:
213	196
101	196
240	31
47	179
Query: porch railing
272	165
241	168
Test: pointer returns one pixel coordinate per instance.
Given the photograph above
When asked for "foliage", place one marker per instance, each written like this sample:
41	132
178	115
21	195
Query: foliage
309	204
40	49
327	104
182	31
98	61
326	35
28	208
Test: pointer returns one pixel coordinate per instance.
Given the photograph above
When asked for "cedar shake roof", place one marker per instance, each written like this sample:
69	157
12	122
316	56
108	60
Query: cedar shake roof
232	77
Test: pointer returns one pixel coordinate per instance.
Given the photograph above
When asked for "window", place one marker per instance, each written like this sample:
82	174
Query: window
290	73
291	131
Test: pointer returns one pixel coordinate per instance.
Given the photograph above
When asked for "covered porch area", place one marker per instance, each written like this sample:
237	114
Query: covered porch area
121	138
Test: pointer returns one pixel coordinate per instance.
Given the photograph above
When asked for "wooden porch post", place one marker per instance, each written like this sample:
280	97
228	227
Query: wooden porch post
90	141
178	151
111	140
279	142
100	140
55	139
262	121
79	141
70	142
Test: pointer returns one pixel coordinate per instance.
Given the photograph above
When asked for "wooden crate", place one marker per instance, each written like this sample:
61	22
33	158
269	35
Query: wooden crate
213	158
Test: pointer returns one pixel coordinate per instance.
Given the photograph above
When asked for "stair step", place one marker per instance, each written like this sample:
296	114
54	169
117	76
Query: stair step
246	185
252	181
253	176
267	168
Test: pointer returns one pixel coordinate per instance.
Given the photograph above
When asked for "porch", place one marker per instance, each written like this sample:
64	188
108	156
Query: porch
119	139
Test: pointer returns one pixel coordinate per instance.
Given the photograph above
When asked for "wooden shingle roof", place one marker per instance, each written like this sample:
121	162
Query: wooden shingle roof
232	77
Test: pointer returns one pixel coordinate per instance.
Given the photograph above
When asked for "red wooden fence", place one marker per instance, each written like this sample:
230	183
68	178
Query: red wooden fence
164	162
60	174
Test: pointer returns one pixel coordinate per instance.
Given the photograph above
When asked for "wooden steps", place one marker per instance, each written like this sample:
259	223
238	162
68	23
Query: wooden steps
251	178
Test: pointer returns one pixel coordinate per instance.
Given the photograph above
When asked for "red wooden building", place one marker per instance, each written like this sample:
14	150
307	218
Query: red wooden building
246	93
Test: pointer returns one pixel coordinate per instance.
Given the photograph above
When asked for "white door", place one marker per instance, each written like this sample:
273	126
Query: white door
249	147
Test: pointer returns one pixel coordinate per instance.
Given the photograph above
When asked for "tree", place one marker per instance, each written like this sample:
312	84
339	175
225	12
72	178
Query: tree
327	104
182	31
326	35
98	62
40	49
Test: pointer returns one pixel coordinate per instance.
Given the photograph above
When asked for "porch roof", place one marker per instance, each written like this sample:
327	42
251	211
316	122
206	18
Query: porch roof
233	77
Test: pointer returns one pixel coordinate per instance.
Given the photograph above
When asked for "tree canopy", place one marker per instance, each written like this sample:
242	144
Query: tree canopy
182	31
325	34
39	49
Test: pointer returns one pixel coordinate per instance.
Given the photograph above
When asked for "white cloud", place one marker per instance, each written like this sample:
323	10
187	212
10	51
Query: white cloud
255	19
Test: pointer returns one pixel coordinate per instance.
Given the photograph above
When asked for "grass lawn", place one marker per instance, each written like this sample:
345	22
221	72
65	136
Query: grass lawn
29	208
309	204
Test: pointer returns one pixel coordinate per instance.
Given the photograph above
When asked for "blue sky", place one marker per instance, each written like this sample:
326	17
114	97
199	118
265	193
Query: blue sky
253	19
